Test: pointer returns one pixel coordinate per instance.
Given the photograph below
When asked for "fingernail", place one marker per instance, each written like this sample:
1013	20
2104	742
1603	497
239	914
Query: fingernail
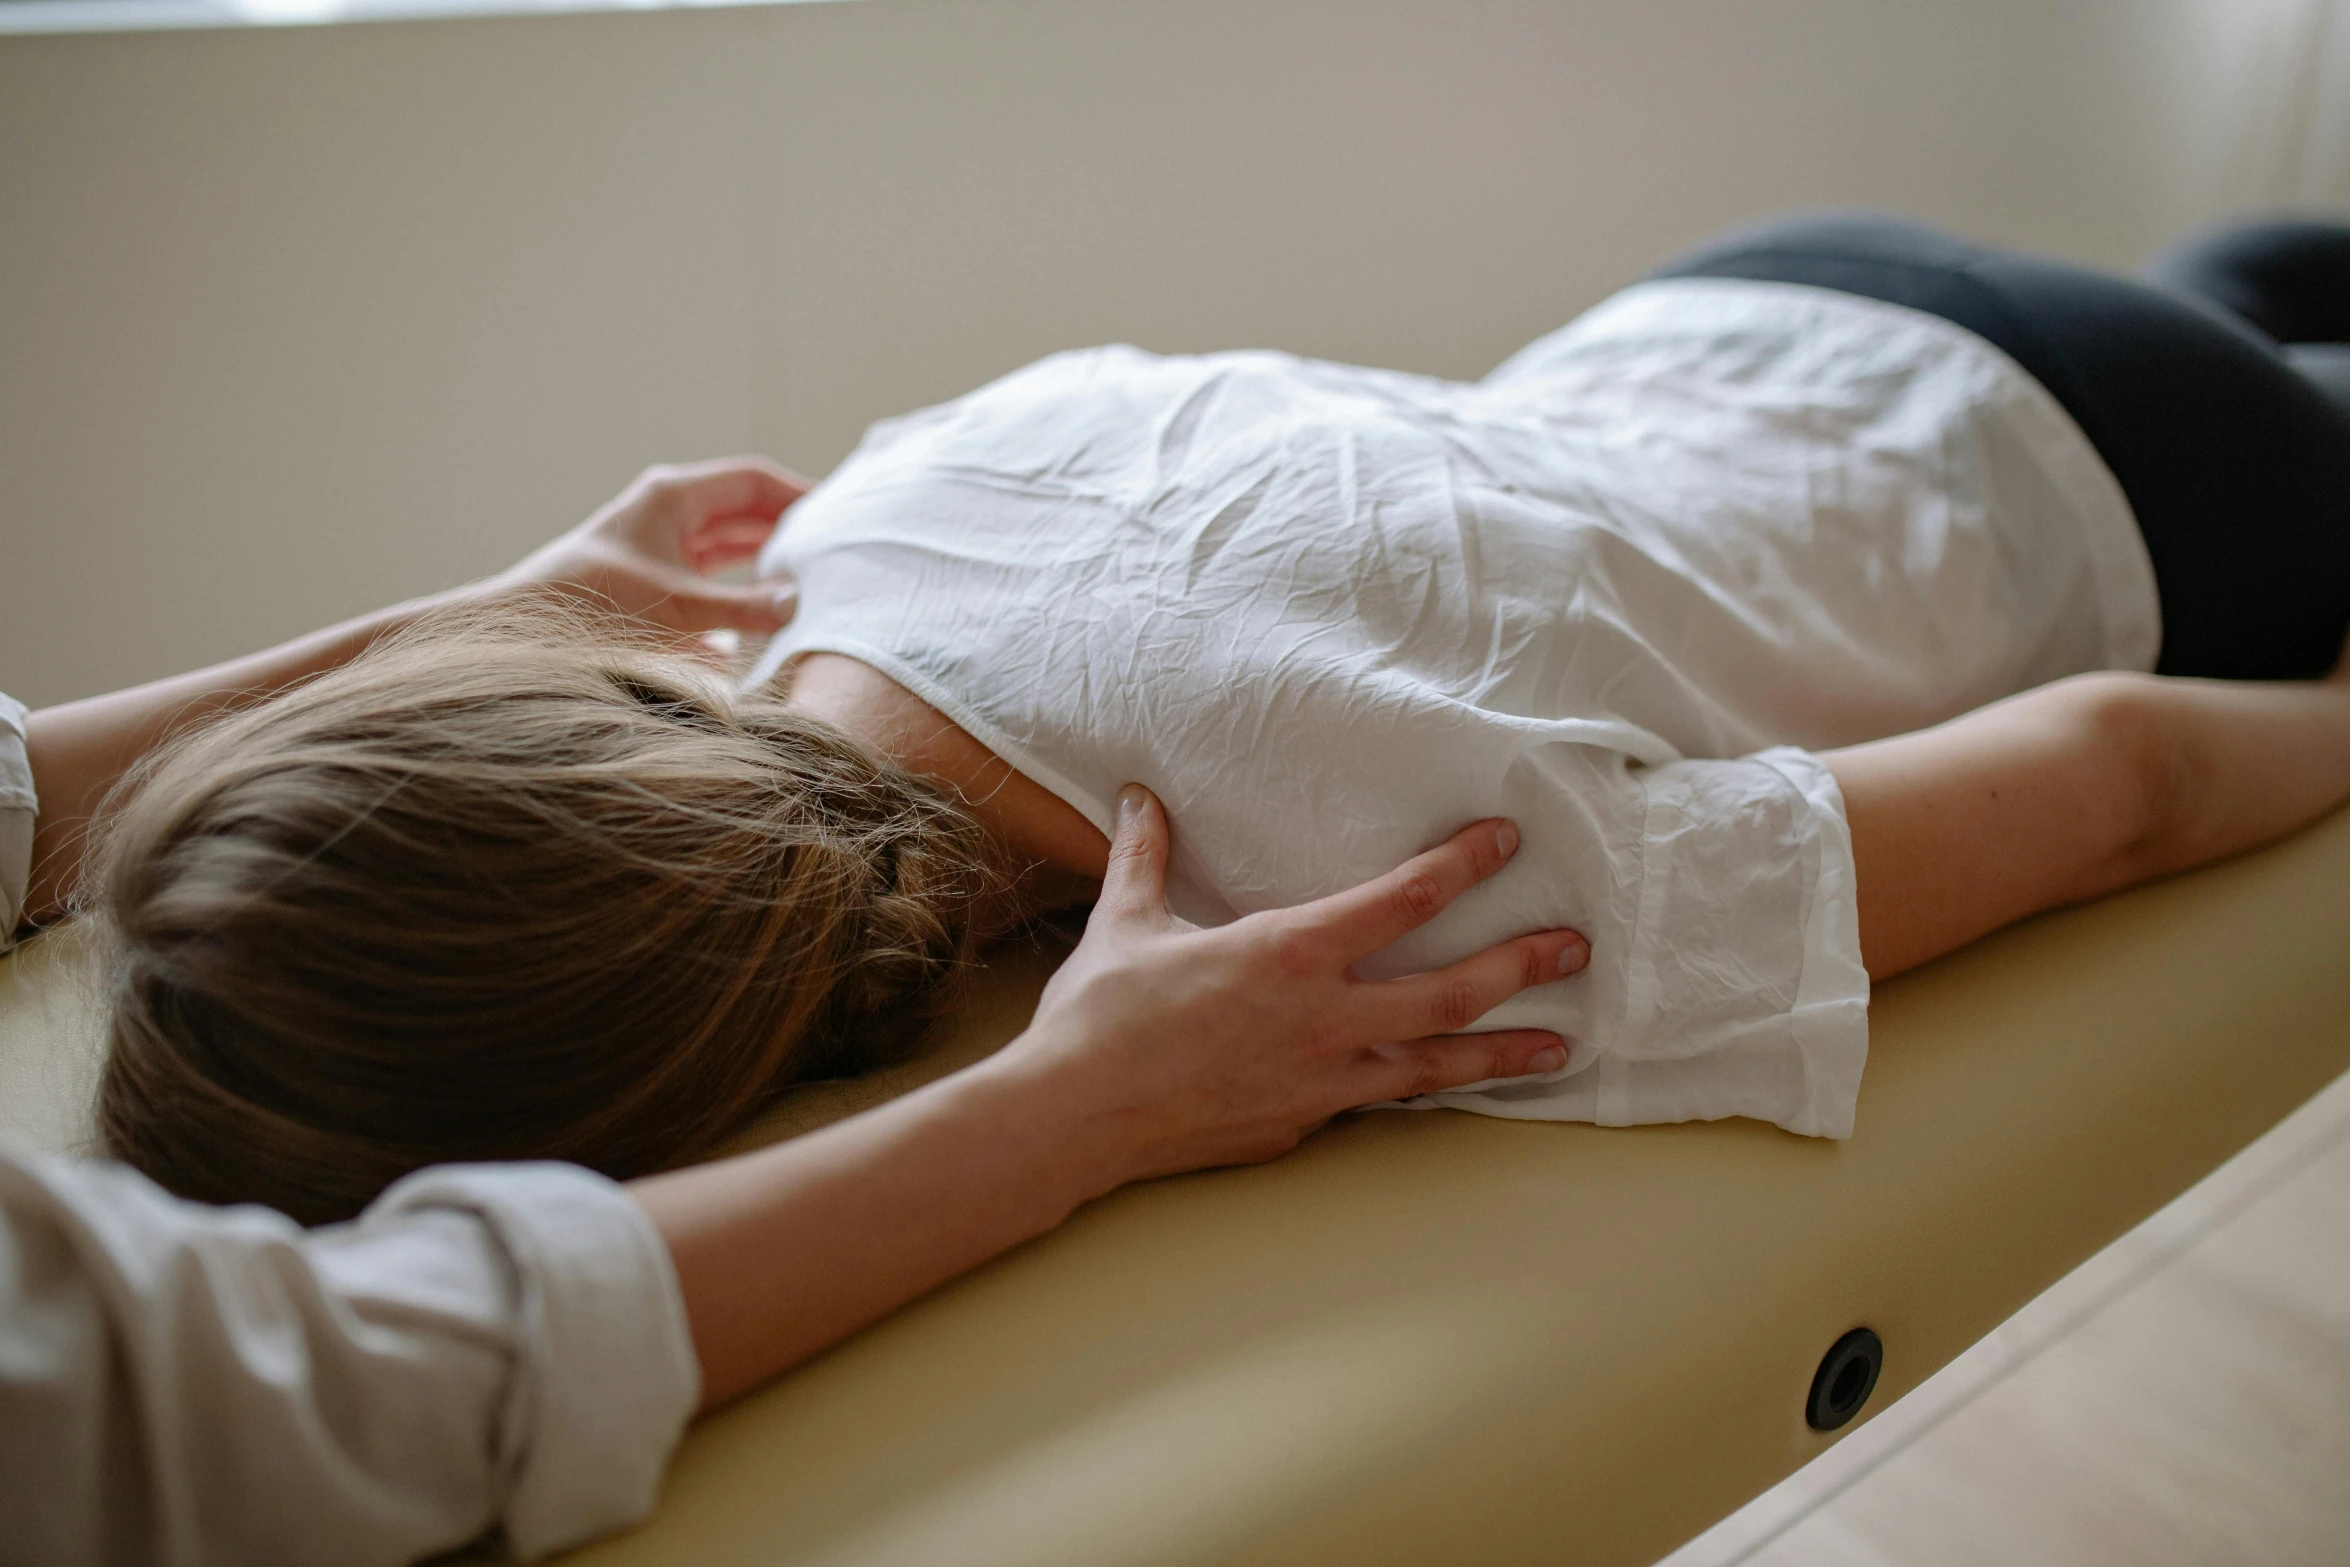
1548	1059
1129	802
1506	836
1573	956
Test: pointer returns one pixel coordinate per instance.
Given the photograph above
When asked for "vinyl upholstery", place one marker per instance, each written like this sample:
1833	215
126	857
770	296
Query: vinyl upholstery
1439	1337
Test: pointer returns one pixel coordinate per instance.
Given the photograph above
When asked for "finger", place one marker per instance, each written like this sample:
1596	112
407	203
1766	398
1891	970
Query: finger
731	487
1449	999
737	528
1363	919
1136	881
1430	1066
711	547
684	602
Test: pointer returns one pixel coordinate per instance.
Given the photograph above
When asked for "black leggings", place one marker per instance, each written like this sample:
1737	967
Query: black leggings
2217	391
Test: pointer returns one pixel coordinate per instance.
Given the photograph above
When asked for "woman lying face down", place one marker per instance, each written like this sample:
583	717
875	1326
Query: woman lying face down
1804	627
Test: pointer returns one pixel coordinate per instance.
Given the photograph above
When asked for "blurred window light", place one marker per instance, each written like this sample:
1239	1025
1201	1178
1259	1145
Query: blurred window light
109	16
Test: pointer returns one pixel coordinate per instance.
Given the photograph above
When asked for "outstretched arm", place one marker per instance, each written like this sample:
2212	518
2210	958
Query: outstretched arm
500	1345
646	554
2077	789
1156	1048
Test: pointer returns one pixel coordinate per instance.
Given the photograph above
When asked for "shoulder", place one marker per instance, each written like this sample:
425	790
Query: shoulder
1092	401
1067	852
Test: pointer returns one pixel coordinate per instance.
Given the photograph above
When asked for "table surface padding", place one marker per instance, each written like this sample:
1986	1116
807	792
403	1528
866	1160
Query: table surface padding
1439	1337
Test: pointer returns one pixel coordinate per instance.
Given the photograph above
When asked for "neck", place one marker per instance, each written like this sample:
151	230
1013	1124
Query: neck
1054	855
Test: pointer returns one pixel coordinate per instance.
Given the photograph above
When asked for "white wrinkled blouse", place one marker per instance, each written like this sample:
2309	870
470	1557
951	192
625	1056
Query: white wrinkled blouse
487	1347
1619	591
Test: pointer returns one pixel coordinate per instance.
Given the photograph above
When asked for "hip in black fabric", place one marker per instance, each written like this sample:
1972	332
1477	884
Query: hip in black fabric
2215	392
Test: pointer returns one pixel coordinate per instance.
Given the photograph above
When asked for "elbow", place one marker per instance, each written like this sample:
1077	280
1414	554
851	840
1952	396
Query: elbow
2137	782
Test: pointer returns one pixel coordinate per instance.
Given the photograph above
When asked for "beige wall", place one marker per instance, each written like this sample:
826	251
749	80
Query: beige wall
297	321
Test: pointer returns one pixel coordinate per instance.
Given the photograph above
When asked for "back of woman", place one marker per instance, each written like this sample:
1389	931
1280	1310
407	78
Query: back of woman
1329	614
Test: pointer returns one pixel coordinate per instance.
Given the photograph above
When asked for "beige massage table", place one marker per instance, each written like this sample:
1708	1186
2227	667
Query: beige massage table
1437	1338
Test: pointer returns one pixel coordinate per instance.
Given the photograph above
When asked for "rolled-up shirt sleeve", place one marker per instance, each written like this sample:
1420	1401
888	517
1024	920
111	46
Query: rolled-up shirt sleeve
1719	897
18	808
487	1350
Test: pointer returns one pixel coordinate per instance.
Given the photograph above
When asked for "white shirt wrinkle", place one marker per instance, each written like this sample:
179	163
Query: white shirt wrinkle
19	809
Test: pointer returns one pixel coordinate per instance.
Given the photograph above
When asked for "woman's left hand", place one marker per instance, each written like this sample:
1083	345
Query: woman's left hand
650	550
1156	1048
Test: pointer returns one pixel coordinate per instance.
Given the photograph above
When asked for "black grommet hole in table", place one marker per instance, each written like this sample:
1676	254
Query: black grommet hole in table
1846	1378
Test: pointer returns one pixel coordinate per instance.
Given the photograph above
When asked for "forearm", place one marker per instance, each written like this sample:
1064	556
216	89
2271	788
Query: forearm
2250	763
783	1252
2075	790
646	554
79	750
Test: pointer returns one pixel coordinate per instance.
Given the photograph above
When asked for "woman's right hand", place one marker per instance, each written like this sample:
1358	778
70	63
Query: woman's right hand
651	549
1167	1047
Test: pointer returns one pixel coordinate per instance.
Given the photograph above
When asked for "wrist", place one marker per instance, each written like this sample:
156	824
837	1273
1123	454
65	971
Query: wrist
1038	1096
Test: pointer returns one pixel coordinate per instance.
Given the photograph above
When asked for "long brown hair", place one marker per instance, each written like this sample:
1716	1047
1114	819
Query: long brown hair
512	886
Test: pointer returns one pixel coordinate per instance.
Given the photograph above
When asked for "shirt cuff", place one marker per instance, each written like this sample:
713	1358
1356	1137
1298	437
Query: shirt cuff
1830	1018
608	1377
19	806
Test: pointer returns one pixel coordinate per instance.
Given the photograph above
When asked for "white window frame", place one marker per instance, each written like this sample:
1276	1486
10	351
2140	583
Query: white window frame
111	16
